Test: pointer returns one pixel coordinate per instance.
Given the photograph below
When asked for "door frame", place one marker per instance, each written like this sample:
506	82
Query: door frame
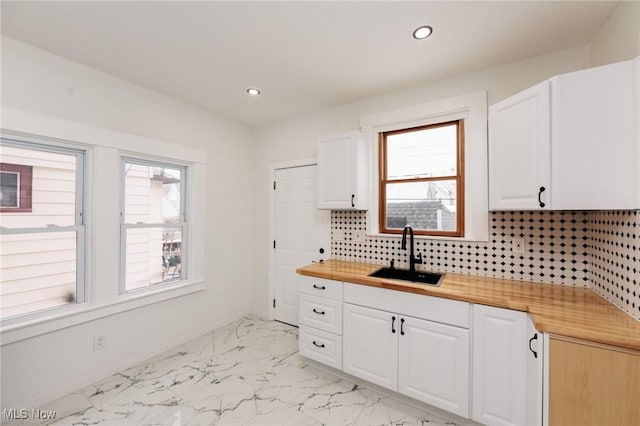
271	258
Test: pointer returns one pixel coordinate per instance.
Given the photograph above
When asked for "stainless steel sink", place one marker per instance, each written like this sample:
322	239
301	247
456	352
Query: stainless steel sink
428	278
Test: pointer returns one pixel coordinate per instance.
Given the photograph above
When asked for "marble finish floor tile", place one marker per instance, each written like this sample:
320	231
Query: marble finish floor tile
246	373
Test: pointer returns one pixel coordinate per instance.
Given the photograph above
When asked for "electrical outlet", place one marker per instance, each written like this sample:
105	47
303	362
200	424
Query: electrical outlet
517	245
358	236
99	343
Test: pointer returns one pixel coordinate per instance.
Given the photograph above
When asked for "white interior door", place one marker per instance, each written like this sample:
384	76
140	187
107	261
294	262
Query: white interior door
301	233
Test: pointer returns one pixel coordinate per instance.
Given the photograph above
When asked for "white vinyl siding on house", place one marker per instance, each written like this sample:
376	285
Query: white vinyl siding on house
143	197
39	269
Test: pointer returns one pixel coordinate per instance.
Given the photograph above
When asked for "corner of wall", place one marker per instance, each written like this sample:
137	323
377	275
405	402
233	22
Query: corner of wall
612	249
619	38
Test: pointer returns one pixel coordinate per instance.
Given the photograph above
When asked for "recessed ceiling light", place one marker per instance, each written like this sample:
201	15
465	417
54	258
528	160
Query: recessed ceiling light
253	91
422	32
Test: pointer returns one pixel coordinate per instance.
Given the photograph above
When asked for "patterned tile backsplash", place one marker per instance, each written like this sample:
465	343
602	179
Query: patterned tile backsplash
595	249
614	257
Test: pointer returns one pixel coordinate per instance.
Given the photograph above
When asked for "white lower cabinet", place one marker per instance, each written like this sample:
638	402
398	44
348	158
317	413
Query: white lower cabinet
475	361
422	359
433	364
370	349
507	368
320	319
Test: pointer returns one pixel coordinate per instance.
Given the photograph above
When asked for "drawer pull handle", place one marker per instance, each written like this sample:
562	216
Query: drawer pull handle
318	312
540	191
402	326
319	287
393	321
535	337
321	345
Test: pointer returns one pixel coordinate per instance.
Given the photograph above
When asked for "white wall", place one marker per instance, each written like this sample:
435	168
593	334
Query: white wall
619	38
296	138
45	366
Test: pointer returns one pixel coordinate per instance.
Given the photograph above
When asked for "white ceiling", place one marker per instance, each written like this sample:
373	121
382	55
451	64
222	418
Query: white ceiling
304	56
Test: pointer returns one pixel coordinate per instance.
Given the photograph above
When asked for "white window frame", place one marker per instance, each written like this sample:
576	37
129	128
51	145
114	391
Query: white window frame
182	225
58	147
103	148
470	107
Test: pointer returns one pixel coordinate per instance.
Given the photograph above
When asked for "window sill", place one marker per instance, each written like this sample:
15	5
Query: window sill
16	329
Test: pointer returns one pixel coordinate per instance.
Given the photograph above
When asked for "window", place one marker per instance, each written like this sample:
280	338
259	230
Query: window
153	230
42	227
422	180
15	187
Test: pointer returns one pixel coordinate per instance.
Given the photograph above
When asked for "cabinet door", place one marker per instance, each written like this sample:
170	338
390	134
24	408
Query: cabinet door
594	142
535	374
338	172
500	366
519	151
592	384
370	345
434	364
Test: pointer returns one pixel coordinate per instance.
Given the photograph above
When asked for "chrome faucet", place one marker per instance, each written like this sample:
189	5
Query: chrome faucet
412	259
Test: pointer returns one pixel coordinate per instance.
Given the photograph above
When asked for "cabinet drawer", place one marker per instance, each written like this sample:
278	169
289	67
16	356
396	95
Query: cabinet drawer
321	313
320	346
321	287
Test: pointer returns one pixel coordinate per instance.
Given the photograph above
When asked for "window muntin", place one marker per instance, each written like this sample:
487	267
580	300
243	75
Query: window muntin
42	245
422	180
153	224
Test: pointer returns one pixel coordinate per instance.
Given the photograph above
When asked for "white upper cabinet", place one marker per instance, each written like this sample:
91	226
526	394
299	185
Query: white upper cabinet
342	172
575	135
519	150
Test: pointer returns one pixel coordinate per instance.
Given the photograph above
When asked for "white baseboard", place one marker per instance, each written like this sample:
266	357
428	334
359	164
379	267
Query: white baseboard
64	390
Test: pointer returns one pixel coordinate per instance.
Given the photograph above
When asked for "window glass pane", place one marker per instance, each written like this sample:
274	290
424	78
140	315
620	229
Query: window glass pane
38	271
422	205
428	152
153	256
10	189
152	194
38	188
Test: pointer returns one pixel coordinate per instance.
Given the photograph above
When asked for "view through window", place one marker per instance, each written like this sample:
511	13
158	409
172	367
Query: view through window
153	225
422	180
41	227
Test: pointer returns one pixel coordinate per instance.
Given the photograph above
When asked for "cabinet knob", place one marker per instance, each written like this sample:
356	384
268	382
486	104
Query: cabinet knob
353	196
540	191
321	345
402	326
393	322
318	312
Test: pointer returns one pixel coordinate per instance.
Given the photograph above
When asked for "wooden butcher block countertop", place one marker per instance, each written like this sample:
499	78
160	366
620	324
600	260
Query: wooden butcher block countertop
561	310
